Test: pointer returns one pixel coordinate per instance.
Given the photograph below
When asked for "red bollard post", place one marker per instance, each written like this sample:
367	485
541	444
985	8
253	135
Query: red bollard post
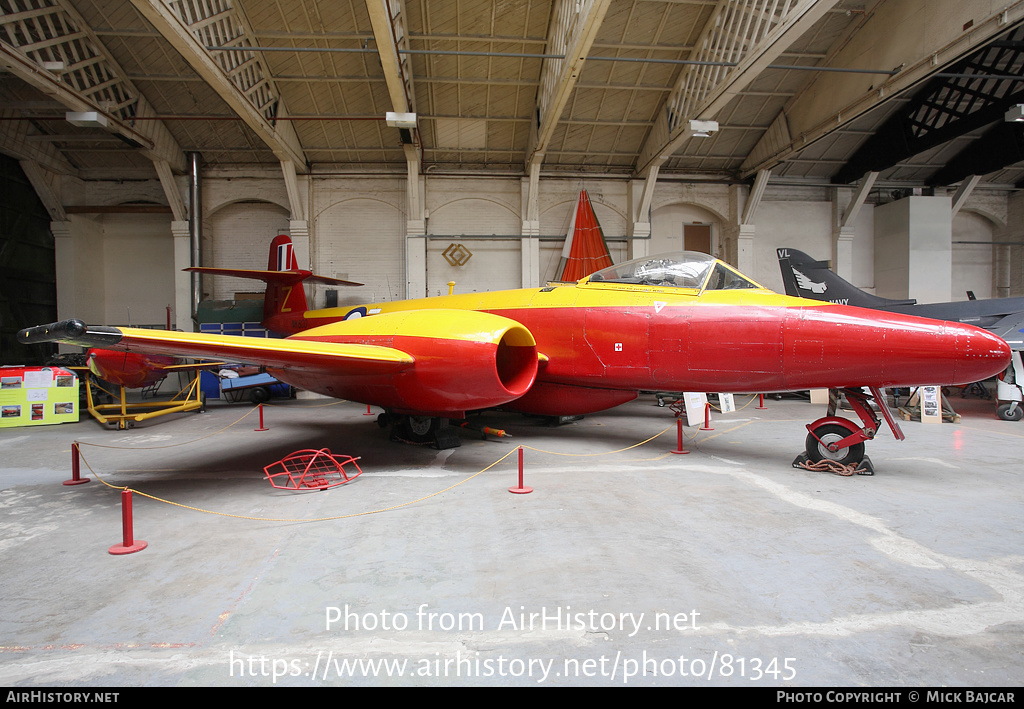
679	439
760	402
368	412
262	427
707	418
521	490
129	545
76	477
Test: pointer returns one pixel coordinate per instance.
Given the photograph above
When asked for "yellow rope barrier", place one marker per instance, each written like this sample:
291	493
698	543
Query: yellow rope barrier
718	409
284	519
169	445
337	517
594	455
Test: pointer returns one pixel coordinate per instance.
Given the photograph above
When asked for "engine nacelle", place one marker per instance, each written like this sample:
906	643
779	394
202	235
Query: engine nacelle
463	360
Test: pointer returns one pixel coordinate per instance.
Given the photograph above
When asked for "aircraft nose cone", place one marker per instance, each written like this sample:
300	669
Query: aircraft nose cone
980	354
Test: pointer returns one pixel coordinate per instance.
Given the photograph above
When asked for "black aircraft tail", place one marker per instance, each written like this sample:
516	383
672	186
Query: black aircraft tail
807	278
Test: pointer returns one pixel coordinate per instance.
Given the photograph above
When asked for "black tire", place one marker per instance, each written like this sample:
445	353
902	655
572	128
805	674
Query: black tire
260	395
1003	411
418	429
829	433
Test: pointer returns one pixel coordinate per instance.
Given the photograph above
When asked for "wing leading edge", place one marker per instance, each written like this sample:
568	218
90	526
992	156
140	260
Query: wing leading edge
307	356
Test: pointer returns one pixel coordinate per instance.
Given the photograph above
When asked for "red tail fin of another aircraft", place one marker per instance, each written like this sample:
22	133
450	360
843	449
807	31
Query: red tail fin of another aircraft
285	294
285	299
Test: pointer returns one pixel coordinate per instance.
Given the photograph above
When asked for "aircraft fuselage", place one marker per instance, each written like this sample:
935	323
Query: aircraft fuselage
602	343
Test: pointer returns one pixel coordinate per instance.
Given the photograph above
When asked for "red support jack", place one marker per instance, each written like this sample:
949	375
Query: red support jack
521	490
262	427
76	478
760	402
129	545
679	439
707	418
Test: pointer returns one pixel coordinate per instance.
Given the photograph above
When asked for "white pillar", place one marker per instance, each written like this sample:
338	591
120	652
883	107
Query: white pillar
914	249
181	234
529	245
745	248
842	252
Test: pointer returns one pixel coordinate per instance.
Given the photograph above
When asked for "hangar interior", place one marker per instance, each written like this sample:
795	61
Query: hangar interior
141	137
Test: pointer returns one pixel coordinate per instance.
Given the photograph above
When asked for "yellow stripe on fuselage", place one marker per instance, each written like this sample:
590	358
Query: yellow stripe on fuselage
585	295
450	323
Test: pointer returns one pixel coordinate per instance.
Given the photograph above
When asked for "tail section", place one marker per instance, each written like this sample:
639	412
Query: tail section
284	303
282	254
806	278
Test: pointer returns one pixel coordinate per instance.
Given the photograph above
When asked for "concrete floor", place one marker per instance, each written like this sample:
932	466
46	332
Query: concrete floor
627	565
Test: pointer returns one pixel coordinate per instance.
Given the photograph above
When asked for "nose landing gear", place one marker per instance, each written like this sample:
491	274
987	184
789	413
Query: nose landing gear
839	440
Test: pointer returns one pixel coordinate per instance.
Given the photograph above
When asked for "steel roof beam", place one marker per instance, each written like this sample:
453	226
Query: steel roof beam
387	18
177	29
574	25
880	40
103	89
753	36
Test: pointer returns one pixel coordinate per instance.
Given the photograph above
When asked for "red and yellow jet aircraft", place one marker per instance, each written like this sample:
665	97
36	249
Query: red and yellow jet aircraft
672	322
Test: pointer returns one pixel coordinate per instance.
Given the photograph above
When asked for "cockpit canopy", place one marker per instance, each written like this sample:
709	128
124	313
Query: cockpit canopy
681	269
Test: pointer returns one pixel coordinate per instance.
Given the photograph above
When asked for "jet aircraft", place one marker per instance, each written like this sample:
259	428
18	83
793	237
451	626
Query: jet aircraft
806	277
672	322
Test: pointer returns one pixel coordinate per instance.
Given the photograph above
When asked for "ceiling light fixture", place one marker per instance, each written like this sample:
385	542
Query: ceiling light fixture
400	120
86	119
703	129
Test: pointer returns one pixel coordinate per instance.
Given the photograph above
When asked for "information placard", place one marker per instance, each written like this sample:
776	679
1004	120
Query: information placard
33	396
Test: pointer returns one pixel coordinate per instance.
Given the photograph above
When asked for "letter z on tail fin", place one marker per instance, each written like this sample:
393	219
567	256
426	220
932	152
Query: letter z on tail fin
285	299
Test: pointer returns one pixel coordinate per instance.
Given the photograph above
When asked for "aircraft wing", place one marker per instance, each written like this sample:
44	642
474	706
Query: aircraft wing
302	355
434	361
1011	329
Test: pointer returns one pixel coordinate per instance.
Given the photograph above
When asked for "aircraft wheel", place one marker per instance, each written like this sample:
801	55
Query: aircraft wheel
1006	415
260	395
418	429
830	433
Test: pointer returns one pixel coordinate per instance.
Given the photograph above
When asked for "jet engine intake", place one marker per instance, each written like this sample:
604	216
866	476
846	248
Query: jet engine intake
464	360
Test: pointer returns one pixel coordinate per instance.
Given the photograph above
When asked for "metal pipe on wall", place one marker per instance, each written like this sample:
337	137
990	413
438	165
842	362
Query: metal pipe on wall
195	226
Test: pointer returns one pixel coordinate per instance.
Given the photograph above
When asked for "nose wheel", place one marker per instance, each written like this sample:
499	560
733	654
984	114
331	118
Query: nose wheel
834	439
825	443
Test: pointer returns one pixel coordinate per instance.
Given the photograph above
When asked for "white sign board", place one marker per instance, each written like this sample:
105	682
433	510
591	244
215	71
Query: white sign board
695	402
931	404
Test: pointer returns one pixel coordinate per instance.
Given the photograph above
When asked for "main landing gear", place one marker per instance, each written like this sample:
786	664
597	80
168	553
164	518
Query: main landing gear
840	440
421	430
